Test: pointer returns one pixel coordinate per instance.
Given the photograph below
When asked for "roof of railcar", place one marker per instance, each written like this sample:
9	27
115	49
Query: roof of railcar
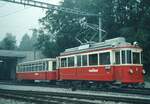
115	43
40	60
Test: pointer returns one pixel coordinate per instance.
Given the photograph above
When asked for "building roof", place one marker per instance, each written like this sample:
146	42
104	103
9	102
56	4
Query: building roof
12	53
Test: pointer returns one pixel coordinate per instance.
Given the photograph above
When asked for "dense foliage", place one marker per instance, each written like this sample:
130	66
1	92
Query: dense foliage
127	18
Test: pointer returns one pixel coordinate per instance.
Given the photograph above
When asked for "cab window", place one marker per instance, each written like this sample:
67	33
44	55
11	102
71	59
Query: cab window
123	57
136	58
128	56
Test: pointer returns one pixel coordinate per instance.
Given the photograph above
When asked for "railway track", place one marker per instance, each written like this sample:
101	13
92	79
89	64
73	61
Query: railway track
141	91
67	98
42	98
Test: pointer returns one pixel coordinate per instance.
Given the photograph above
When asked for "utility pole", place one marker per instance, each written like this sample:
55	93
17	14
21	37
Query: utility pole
100	27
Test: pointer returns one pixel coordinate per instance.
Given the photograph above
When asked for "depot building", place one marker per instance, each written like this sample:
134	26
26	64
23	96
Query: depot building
9	60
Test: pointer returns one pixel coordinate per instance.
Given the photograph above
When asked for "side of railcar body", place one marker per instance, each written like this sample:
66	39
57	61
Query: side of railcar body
111	61
44	69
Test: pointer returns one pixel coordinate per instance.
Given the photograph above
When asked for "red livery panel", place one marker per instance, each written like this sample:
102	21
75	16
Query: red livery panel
37	75
86	73
123	74
32	75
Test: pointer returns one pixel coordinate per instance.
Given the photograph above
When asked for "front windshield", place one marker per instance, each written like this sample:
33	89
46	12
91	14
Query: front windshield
136	58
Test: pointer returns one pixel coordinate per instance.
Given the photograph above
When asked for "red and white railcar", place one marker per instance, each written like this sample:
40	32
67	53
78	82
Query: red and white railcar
113	60
43	69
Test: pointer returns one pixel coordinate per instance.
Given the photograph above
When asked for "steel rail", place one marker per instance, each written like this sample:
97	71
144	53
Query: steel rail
58	96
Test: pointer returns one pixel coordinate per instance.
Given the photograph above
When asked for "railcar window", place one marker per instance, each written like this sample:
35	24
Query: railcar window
24	68
70	61
21	68
78	60
136	58
64	62
104	58
18	68
117	57
84	60
128	56
32	67
123	57
46	65
54	65
41	67
93	59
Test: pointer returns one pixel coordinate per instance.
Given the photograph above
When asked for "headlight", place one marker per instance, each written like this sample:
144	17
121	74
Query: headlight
131	71
143	71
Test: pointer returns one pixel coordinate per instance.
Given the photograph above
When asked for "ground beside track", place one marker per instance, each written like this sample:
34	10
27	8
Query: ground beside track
147	84
12	101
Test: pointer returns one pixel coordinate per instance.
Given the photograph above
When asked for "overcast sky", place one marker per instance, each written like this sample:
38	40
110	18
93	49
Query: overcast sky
18	20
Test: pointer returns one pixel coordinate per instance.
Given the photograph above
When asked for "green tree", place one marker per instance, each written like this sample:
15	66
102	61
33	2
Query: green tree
46	45
9	42
34	38
25	44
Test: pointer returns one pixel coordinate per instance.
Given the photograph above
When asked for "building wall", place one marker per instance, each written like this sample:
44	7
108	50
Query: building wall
9	60
31	55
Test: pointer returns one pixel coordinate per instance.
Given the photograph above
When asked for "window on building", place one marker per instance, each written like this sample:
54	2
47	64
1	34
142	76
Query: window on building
93	59
78	60
117	57
70	61
84	60
104	58
63	62
123	57
136	58
128	56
